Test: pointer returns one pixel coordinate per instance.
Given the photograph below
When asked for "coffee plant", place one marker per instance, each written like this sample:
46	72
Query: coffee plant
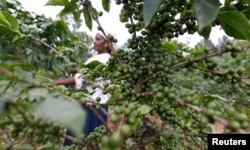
162	93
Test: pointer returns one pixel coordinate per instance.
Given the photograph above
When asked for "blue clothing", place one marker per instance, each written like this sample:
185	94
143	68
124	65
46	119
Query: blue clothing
92	121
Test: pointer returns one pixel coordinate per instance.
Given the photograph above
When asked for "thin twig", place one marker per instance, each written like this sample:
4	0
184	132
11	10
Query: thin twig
211	71
6	72
71	138
98	116
92	102
150	77
183	103
130	15
52	48
198	58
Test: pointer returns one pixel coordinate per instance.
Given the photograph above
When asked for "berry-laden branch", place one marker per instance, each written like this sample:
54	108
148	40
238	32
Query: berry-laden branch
194	139
211	71
199	58
82	142
22	113
222	121
92	102
220	74
126	4
187	62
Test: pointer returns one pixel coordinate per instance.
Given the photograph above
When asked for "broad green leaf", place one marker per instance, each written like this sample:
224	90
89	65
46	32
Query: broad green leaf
37	93
235	24
11	67
144	109
247	1
69	113
244	2
8	21
60	24
247	12
42	79
158	99
9	27
170	47
214	97
206	11
4	122
57	2
23	75
227	8
3	20
92	64
87	18
227	2
3	4
149	9
205	32
15	38
76	15
106	5
202	63
69	8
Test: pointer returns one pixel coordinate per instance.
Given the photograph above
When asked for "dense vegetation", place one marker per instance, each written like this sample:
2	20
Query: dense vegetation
163	94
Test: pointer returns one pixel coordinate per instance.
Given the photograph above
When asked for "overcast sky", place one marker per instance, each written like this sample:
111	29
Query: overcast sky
109	21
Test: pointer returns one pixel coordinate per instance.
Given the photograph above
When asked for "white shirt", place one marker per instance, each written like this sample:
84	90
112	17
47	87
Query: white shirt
103	58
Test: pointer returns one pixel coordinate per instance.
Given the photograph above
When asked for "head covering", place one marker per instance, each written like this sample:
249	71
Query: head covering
105	36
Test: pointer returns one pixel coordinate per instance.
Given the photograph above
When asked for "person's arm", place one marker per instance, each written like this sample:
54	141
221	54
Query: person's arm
75	80
65	81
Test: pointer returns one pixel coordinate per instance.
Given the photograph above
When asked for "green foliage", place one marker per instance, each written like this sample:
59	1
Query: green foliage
149	9
63	111
205	32
57	2
144	109
9	27
206	11
91	65
239	27
88	19
106	5
3	4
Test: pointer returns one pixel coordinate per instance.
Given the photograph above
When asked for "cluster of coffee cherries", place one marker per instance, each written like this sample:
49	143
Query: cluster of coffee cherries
172	19
37	130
